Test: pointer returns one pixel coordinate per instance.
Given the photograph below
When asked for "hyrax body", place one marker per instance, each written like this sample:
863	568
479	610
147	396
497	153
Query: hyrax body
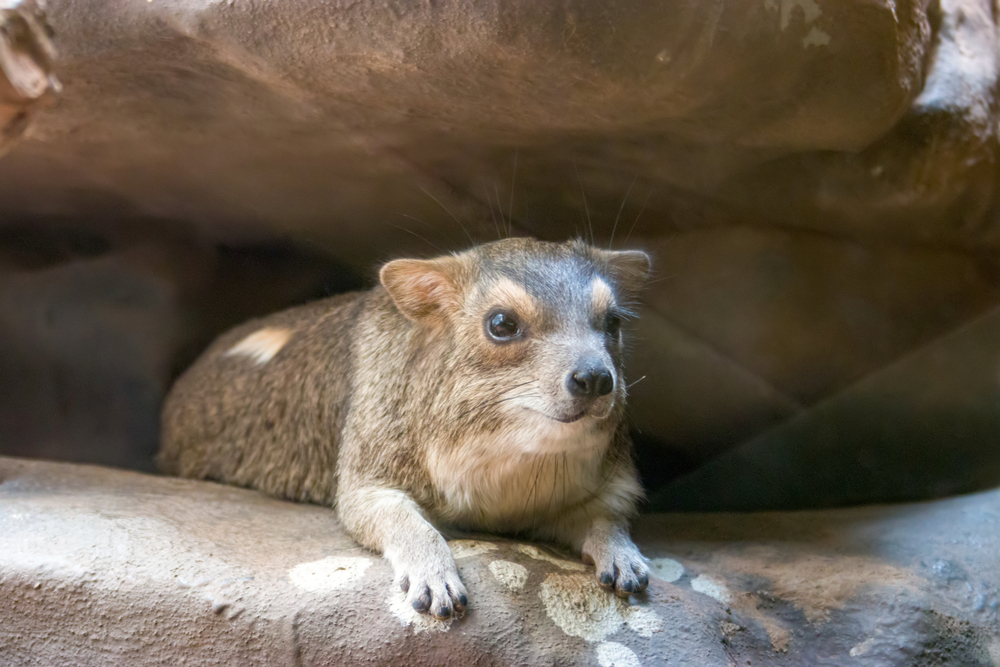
481	390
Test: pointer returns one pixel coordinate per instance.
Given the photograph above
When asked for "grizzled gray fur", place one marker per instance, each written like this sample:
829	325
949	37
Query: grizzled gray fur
482	390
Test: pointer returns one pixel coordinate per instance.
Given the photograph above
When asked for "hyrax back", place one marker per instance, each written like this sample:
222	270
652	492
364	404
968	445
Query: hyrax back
483	390
265	404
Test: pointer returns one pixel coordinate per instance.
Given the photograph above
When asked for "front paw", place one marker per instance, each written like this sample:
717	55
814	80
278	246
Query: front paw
619	566
432	585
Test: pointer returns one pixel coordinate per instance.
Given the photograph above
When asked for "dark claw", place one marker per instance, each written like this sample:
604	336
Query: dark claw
463	601
422	603
643	580
606	578
443	612
628	587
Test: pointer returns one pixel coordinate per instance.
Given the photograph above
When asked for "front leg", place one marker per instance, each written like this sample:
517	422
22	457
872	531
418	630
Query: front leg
616	559
598	529
390	521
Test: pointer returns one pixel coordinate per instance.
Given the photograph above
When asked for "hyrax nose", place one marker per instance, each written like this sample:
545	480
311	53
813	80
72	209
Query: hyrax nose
590	383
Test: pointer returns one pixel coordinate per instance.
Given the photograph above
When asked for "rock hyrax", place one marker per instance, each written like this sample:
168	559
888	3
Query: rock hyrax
481	390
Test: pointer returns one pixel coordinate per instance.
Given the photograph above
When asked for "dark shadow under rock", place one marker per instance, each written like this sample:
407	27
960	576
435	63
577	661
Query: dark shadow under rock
95	325
924	427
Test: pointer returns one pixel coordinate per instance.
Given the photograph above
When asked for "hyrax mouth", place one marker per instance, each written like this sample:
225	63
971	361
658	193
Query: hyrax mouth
574	417
571	419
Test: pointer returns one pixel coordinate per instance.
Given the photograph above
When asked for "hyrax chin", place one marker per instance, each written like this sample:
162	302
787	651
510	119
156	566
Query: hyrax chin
481	390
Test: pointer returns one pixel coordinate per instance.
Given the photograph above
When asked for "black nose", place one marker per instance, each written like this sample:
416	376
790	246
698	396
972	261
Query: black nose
590	383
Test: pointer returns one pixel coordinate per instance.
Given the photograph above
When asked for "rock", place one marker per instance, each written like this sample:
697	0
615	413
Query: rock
94	327
106	567
86	349
811	315
329	119
27	81
921	428
688	399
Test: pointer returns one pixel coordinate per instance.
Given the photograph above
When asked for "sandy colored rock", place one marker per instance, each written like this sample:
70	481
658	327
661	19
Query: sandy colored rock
103	567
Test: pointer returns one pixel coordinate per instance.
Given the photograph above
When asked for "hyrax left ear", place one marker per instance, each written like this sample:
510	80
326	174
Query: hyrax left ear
423	290
628	269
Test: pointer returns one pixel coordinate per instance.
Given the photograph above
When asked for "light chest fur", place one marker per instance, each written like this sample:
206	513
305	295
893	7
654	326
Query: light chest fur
516	478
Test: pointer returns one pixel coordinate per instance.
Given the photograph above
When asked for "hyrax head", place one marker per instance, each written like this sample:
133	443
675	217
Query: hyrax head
534	331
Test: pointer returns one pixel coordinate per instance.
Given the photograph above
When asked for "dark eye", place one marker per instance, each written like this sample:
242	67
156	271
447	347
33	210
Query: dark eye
502	325
612	324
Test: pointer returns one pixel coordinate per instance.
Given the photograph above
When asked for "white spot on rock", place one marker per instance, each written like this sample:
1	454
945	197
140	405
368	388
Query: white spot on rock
815	37
994	650
666	569
511	575
810	10
468	548
329	574
863	647
538	554
407	615
583	609
642	620
708	586
261	346
613	654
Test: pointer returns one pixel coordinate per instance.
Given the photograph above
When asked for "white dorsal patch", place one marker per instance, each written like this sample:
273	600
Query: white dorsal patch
261	346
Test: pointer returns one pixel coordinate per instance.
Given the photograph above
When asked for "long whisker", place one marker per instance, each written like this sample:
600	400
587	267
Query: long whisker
586	208
611	243
564	476
472	240
510	207
487	404
506	225
629	386
409	231
539	466
489	202
634	222
425	224
552	490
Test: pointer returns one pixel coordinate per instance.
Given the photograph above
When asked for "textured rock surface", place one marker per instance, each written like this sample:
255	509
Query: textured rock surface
102	567
330	117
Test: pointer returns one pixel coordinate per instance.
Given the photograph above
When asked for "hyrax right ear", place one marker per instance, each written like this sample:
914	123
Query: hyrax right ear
423	290
628	268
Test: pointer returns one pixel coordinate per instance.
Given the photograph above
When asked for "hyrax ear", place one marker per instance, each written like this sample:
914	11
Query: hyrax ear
629	269
423	290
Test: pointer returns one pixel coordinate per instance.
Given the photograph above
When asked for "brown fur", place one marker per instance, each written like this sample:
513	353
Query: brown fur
396	406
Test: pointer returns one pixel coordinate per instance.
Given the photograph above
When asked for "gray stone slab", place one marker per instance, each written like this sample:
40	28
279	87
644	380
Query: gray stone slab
103	567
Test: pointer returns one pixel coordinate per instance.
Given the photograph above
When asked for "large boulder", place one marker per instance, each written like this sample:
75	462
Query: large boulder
102	567
327	118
